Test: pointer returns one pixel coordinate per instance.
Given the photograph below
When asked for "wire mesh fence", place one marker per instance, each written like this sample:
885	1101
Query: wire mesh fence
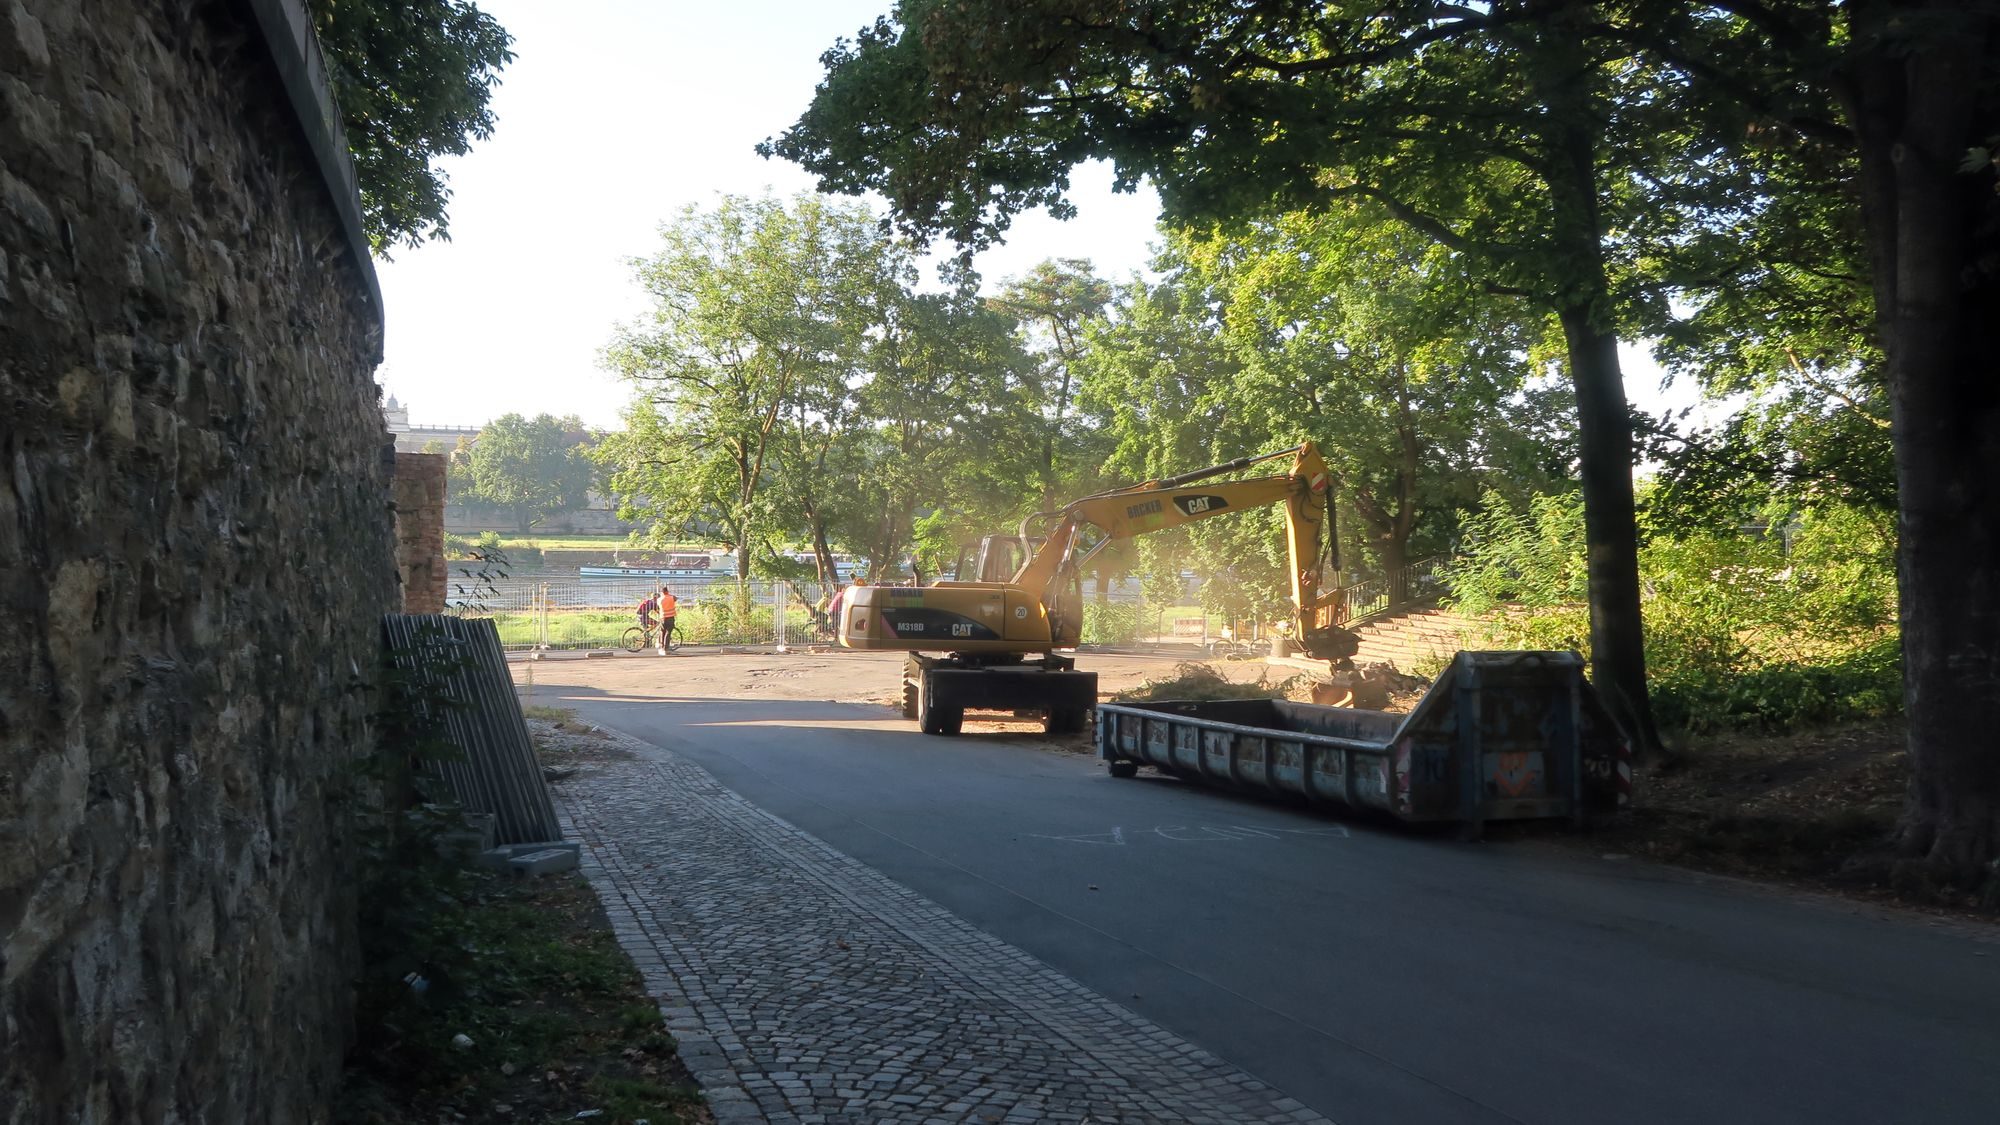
573	613
596	613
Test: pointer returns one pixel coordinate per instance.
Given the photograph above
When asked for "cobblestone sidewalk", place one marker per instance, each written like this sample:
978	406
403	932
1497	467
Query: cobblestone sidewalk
806	987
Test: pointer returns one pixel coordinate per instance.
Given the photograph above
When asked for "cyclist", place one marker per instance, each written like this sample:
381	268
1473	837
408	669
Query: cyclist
662	604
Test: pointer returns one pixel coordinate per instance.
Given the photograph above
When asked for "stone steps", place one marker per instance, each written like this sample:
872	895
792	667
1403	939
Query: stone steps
1404	639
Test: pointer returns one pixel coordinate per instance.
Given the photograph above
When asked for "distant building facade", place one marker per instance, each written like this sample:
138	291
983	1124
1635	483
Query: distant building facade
415	439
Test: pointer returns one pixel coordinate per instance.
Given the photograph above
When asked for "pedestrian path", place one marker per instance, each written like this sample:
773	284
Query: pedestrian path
806	987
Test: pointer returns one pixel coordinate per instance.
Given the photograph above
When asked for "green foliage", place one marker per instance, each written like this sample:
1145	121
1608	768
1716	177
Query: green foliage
1781	695
1336	326
538	984
1746	628
1055	303
742	368
530	466
412	79
792	389
1112	623
1533	558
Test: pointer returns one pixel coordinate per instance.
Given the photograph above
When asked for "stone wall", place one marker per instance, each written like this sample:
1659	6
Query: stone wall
195	546
419	500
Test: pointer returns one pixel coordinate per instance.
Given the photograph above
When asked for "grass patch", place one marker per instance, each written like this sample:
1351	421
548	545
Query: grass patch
559	1020
547	714
566	542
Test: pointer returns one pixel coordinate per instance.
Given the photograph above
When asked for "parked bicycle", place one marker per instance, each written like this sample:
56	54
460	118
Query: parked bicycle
638	639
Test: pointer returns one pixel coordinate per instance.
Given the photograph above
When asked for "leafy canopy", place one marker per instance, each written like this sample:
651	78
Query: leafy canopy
533	466
413	79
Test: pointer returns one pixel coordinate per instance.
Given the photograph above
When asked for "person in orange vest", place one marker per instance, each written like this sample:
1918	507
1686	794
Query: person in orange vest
665	605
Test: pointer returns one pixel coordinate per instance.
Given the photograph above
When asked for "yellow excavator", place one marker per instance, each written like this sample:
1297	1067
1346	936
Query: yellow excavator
996	627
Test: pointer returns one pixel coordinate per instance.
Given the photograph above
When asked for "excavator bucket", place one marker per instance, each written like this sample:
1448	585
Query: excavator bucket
1331	643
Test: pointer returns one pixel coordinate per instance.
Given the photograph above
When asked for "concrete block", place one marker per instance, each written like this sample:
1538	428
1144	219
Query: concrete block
539	846
550	862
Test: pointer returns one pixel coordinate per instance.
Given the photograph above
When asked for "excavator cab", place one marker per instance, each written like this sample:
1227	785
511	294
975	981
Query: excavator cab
995	558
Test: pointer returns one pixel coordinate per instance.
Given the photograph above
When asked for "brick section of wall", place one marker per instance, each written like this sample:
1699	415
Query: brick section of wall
419	497
195	550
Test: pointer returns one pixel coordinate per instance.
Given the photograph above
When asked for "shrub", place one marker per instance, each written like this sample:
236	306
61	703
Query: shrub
1865	683
1112	623
1740	631
1200	681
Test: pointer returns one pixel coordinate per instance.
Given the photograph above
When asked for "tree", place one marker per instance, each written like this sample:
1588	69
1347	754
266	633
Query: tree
1904	96
1508	134
1053	302
1919	86
1776	309
531	466
1366	337
950	423
746	366
412	79
1334	326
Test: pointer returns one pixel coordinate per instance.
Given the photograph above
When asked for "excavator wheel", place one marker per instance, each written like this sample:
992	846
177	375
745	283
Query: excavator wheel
935	717
1123	768
909	698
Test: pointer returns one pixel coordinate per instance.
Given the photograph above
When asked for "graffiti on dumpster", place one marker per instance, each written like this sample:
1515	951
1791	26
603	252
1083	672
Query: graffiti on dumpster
1516	774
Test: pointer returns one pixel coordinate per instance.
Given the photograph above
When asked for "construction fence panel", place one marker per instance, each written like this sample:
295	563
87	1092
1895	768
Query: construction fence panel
571	613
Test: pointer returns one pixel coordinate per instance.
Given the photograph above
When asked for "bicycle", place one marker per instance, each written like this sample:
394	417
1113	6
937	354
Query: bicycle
640	638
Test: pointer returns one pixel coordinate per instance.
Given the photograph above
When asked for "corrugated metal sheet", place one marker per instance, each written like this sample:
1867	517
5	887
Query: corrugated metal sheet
458	661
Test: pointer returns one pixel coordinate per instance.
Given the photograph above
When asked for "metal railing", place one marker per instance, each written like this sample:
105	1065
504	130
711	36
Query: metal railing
1420	581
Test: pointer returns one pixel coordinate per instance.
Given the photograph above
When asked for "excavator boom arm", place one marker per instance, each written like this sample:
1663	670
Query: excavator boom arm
1162	504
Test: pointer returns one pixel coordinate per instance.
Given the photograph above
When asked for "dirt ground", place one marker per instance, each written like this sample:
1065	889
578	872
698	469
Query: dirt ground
847	677
843	677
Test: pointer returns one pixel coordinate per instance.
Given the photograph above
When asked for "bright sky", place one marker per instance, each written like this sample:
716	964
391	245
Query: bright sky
615	115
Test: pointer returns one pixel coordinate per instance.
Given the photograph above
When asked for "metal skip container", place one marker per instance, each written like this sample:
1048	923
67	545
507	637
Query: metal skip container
1499	736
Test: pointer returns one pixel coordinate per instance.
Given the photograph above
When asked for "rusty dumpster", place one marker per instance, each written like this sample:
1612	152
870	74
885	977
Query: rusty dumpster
1499	736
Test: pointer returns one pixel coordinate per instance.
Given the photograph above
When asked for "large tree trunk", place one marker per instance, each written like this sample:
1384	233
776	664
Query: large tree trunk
1934	238
1610	528
1604	437
1581	297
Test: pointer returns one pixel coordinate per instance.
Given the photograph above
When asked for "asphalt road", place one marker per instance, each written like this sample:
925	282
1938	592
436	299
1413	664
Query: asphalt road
1378	975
